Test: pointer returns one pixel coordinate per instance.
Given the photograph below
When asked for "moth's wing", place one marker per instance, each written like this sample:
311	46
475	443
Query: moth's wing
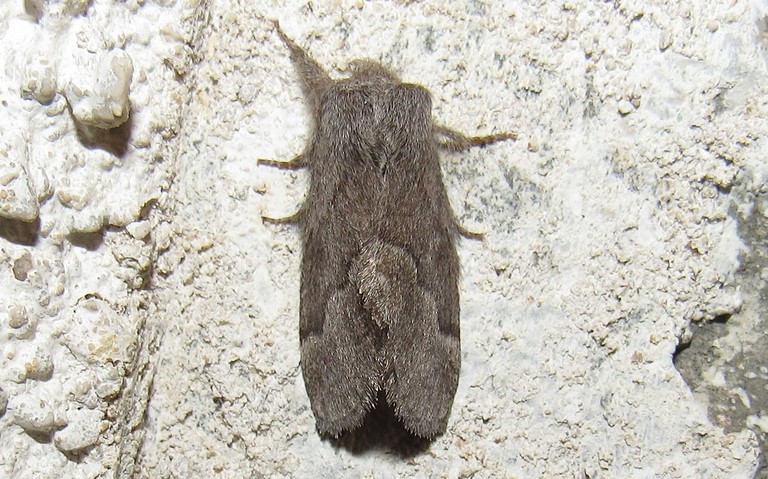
339	362
421	361
339	356
425	369
422	348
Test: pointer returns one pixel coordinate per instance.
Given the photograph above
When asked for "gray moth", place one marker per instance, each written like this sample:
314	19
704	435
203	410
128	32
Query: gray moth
379	299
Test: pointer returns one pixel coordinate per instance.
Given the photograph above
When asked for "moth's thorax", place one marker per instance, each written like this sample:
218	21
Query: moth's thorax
369	71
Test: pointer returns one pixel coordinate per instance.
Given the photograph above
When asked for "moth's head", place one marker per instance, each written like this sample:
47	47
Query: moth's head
369	71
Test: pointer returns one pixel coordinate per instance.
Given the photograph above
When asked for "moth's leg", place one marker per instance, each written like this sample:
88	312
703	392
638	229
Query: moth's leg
314	79
455	141
452	140
294	164
468	233
287	220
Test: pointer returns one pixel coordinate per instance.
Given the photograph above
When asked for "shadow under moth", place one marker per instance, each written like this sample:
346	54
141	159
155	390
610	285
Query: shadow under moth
379	306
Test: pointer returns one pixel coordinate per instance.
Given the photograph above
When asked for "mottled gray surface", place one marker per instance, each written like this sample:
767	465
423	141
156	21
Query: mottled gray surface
726	362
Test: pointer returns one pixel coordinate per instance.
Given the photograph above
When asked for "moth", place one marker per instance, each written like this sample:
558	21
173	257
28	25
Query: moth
379	304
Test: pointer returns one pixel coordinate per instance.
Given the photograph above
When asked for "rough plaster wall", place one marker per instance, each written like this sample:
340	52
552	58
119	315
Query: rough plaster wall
149	318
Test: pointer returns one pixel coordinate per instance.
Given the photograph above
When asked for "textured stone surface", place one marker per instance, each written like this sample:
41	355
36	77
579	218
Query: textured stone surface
149	319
